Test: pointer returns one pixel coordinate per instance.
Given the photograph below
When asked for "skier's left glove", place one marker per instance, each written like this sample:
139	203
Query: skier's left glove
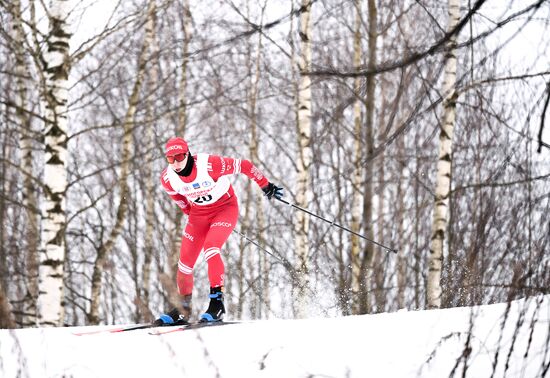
271	190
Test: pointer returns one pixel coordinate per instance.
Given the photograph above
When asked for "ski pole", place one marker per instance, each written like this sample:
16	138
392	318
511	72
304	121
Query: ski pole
278	257
337	225
284	262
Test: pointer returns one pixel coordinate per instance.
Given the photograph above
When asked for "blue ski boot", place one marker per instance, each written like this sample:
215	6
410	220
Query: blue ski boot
175	316
216	309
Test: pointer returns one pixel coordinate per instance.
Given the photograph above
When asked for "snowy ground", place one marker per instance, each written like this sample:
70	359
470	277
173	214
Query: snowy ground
403	344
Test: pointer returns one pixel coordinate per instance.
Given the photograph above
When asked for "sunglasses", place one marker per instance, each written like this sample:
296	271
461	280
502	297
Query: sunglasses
178	158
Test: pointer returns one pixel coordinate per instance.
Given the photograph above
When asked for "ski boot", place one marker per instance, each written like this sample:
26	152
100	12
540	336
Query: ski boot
216	309
176	316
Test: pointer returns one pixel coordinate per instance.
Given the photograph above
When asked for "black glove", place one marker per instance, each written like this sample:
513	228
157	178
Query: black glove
271	190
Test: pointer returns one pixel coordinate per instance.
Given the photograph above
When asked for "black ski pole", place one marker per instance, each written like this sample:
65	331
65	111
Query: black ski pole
337	225
283	261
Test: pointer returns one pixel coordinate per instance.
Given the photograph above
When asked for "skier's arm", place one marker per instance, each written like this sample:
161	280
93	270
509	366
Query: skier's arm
182	202
222	166
179	199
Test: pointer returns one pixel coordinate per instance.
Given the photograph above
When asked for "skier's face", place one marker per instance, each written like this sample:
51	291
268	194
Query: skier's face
177	162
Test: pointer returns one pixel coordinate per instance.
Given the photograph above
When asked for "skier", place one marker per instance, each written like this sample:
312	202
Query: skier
200	187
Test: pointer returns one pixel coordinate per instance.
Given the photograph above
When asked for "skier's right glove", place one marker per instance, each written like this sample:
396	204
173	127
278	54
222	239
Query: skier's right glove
271	190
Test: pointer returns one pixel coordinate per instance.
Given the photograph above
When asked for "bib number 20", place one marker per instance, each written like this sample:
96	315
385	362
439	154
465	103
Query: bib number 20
204	199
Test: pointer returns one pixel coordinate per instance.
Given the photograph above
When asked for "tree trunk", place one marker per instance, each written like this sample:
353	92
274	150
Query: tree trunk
357	177
400	219
254	74
303	161
443	177
30	200
363	299
150	218
150	181
378	270
182	110
53	223
6	317
105	249
3	214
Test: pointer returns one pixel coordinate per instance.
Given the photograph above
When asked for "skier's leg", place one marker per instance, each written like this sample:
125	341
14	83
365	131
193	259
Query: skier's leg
221	226
191	245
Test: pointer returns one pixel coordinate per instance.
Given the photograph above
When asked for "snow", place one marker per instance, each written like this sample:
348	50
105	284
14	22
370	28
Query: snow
401	344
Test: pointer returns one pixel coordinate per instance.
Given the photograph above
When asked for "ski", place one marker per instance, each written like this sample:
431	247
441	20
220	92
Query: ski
172	328
197	325
119	329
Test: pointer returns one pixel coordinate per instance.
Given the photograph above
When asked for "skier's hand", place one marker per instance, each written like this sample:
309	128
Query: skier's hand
271	190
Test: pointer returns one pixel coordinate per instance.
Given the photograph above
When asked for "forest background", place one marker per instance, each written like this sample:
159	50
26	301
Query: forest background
418	124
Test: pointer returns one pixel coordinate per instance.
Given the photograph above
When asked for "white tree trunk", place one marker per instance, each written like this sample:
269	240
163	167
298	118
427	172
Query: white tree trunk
443	177
52	251
303	191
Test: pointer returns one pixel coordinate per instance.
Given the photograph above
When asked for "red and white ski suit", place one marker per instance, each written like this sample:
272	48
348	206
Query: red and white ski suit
208	198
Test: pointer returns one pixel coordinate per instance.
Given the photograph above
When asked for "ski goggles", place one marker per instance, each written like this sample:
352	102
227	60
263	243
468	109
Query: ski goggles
173	158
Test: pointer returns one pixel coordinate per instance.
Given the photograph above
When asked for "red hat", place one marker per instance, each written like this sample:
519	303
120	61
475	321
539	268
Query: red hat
176	146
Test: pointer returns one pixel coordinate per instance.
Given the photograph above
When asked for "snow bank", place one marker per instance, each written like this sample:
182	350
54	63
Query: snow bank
511	340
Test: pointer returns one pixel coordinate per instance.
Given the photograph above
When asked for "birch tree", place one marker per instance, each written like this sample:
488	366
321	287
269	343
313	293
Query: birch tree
52	252
304	158
443	175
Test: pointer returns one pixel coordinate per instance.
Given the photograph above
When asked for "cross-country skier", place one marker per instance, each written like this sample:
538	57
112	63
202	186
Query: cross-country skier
200	187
